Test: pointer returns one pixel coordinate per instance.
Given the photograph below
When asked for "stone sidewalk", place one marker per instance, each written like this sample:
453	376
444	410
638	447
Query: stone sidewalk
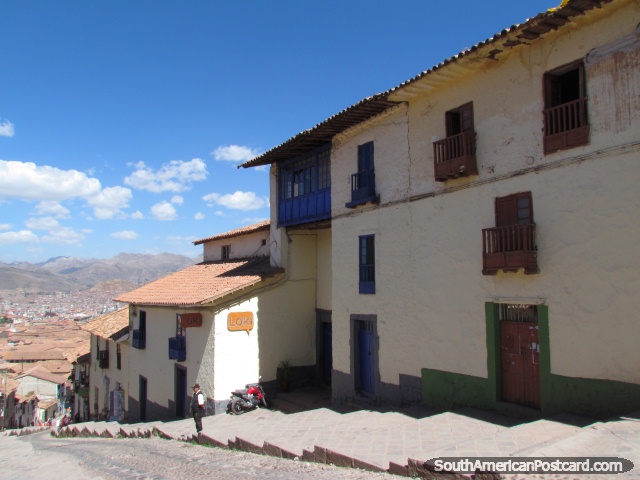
397	442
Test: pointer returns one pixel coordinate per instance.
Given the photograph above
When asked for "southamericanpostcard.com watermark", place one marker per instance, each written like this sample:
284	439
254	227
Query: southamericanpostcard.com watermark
469	465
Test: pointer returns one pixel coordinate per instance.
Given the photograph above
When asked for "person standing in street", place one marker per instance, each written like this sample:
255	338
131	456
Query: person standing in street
197	406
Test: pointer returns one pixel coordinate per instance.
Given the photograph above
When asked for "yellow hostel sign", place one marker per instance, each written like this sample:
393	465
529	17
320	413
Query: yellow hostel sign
238	321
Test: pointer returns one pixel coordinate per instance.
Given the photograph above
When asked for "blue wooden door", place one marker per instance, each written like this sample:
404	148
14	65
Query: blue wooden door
327	353
365	353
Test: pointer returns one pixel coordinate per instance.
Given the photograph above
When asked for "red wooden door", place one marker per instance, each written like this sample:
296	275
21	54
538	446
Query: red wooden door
520	352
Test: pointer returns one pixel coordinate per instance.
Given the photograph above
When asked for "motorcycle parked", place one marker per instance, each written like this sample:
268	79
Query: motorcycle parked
243	400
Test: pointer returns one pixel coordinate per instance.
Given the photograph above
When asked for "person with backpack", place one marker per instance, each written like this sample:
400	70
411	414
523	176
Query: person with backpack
197	406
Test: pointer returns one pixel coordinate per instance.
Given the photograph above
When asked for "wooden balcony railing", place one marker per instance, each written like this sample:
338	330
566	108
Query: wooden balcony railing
363	188
509	248
178	348
566	126
367	283
103	361
139	339
455	156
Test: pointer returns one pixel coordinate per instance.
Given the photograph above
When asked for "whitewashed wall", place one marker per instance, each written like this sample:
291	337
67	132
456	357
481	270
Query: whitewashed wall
244	246
430	291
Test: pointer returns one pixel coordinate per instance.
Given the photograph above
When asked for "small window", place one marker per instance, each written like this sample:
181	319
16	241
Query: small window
367	260
118	357
225	252
97	348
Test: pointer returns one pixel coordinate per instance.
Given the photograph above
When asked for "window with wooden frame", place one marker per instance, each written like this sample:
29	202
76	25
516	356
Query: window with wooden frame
225	252
178	344
139	337
566	123
510	245
367	264
363	183
455	155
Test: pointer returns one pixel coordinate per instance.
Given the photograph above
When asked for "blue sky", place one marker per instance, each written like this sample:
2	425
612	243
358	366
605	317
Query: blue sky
122	122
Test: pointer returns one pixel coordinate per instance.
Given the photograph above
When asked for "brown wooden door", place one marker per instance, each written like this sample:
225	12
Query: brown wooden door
520	352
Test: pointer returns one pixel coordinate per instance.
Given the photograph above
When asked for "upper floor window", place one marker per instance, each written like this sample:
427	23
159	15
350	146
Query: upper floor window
363	183
510	245
455	155
118	356
304	187
140	335
225	252
367	264
178	344
566	123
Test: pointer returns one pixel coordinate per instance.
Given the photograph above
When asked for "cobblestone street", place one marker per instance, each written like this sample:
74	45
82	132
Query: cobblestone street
39	456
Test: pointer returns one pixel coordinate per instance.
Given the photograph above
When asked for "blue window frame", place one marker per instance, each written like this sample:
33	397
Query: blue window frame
363	183
304	187
367	264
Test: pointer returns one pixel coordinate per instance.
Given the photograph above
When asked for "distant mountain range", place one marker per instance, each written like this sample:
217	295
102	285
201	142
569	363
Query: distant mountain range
70	273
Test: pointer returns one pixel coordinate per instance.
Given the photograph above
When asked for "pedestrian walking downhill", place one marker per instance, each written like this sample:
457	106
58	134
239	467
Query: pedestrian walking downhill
197	406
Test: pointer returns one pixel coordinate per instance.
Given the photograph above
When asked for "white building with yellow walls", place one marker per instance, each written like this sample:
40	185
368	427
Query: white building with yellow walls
225	322
484	222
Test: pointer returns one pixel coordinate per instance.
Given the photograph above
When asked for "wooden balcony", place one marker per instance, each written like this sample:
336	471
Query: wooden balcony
363	189
455	156
566	126
103	361
509	248
178	348
139	339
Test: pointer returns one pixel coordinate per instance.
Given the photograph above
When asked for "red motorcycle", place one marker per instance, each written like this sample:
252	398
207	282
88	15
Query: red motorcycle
252	396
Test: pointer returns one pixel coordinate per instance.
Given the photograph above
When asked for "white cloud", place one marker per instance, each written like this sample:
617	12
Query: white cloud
174	176
164	211
125	235
42	223
51	207
199	216
6	129
63	235
109	202
137	215
23	236
5	226
236	201
234	153
28	181
177	200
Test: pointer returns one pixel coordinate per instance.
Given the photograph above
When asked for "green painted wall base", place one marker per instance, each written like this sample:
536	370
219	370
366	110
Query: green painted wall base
558	394
446	390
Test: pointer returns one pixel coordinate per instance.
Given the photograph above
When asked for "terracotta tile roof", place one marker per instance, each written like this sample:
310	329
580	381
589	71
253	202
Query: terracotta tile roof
44	374
57	366
256	227
109	325
202	283
521	34
46	403
33	354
